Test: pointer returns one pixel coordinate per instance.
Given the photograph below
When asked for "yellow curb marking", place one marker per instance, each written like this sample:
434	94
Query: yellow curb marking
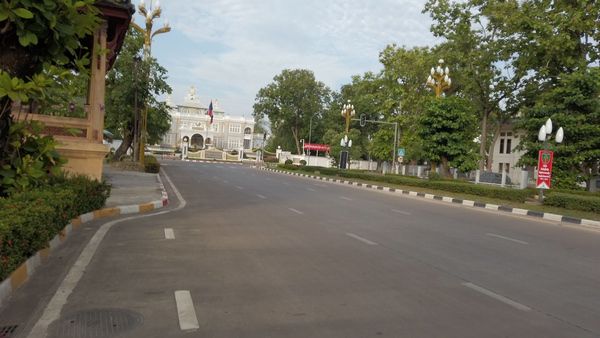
146	207
75	222
44	252
106	212
18	277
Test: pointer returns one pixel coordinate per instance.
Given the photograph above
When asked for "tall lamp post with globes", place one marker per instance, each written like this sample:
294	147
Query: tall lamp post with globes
545	157
439	79
149	14
347	112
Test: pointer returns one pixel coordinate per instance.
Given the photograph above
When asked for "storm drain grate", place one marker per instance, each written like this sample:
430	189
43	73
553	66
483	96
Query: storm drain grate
7	331
96	323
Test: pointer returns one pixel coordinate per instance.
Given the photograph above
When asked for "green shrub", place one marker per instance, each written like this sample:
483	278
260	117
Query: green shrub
311	169
271	159
150	159
330	171
434	176
91	193
30	219
151	164
291	166
151	167
302	162
289	162
573	202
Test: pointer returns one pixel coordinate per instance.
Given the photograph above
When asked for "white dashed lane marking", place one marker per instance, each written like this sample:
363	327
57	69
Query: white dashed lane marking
361	239
169	234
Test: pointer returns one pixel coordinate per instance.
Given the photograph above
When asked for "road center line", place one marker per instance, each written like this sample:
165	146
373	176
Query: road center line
321	185
497	297
310	189
169	234
225	182
240	188
508	239
185	310
261	196
296	211
346	198
286	183
401	212
361	239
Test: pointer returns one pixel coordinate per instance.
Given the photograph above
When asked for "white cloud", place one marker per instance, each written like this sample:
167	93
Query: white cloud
230	49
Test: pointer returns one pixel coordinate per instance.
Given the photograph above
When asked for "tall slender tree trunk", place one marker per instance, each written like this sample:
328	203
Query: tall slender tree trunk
445	168
483	147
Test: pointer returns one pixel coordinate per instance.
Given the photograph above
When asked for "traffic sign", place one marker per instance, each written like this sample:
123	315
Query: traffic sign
400	159
401	152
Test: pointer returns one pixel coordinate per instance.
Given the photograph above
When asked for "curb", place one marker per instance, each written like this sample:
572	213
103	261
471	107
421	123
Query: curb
25	270
518	211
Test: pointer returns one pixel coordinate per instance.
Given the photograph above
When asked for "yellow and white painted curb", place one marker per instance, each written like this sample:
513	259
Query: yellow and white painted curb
20	275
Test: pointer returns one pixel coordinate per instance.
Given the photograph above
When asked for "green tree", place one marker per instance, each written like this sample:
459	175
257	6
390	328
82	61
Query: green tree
121	88
448	130
41	42
573	105
35	35
405	74
478	54
290	101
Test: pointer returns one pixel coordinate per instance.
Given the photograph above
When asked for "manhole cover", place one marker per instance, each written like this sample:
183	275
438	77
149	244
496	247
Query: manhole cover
96	323
7	331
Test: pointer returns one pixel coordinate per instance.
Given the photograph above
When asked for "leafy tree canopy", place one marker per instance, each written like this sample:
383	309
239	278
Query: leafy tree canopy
290	101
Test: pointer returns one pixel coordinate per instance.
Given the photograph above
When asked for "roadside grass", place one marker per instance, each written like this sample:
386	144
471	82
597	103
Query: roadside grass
533	207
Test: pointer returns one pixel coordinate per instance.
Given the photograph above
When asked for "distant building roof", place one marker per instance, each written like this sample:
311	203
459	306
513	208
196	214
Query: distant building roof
192	101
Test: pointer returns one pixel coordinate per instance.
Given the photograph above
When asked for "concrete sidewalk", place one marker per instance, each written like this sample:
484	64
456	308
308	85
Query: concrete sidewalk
132	187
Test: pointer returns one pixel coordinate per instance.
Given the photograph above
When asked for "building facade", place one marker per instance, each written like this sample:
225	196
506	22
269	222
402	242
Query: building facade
190	118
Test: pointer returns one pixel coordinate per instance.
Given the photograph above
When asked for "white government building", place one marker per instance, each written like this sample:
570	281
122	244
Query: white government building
190	119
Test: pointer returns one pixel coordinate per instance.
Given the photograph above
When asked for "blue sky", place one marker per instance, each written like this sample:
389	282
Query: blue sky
229	49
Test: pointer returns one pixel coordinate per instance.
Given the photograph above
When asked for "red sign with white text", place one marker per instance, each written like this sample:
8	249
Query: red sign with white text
319	147
544	169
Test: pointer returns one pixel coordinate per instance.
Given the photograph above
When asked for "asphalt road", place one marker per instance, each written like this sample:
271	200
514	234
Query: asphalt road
253	253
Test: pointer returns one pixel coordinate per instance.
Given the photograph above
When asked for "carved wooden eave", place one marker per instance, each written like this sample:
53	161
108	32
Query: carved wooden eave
118	15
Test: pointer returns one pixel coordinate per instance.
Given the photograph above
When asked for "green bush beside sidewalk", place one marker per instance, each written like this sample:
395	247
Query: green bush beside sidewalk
30	219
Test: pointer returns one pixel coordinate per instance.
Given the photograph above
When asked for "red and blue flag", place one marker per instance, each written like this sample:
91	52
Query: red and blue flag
210	109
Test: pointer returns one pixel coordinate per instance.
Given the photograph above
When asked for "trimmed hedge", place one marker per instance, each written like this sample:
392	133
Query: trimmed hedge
452	186
29	220
151	165
573	201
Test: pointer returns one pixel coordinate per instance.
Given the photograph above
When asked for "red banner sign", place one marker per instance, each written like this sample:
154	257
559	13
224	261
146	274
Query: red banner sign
544	169
319	147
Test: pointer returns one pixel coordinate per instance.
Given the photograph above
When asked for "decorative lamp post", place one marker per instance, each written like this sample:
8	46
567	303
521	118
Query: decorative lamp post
546	156
344	154
347	112
149	14
439	79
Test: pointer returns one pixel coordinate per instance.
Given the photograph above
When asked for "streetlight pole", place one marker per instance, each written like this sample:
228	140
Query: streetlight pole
439	79
347	112
309	136
344	155
545	156
136	116
149	14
